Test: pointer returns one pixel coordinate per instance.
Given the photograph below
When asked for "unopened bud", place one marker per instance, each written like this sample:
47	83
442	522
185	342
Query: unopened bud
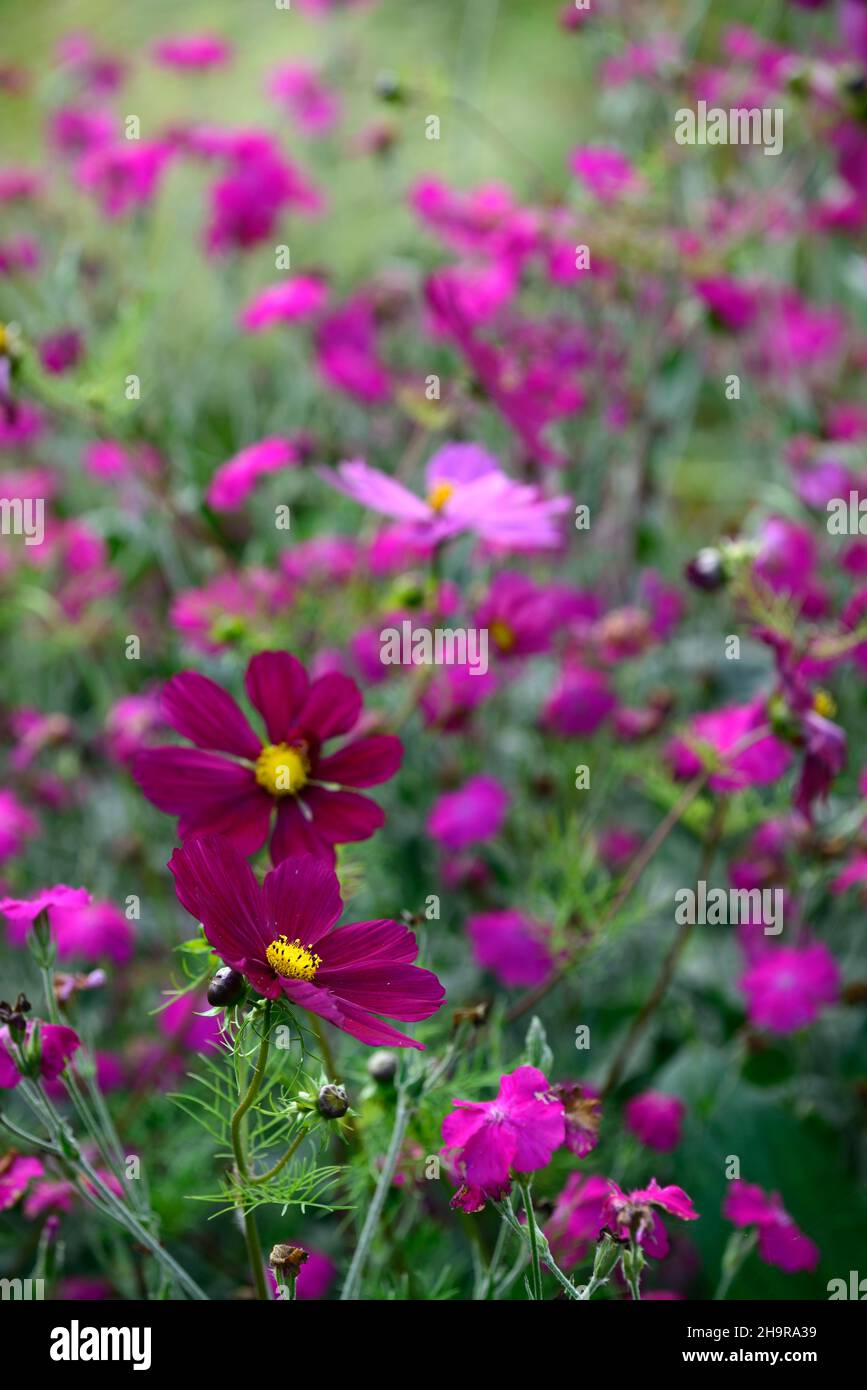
332	1101
382	1065
226	987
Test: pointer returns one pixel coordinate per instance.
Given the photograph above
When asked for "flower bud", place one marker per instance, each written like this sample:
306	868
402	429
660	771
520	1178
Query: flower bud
226	987
382	1065
706	570
332	1101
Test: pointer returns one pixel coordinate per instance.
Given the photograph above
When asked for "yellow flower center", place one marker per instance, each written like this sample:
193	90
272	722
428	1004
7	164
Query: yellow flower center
825	704
281	770
502	635
439	495
292	960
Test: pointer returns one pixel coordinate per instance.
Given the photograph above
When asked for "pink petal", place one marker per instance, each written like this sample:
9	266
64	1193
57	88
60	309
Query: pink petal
206	714
302	897
363	763
276	684
332	707
217	886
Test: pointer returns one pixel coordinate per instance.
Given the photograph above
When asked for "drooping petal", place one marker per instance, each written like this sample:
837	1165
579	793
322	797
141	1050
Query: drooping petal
363	763
276	684
302	897
206	714
217	886
341	817
332	707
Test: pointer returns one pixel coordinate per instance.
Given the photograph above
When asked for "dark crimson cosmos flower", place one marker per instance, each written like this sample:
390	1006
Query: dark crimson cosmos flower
281	936
233	781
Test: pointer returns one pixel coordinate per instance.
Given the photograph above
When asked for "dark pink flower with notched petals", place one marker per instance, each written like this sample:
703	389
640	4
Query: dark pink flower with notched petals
282	936
57	1044
514	947
787	986
234	480
191	51
233	781
16	1173
740	739
606	172
485	1141
469	815
578	1217
781	1243
655	1119
299	297
635	1214
22	912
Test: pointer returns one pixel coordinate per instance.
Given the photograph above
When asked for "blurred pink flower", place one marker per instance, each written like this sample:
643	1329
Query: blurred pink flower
781	1243
787	986
473	813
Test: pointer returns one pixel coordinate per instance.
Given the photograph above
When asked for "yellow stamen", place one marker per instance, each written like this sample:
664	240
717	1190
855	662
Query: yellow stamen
825	704
292	960
281	770
503	635
439	495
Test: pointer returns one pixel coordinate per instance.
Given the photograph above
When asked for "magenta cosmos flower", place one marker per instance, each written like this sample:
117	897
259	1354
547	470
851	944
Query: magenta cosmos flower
233	781
787	986
655	1119
781	1243
635	1214
281	936
465	491
469	815
484	1141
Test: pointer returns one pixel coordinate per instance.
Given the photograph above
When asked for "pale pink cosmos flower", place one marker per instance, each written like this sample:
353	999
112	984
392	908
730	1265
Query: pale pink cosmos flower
466	491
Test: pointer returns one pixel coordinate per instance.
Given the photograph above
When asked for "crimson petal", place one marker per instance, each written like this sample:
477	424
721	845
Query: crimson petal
302	897
276	684
206	714
363	763
217	886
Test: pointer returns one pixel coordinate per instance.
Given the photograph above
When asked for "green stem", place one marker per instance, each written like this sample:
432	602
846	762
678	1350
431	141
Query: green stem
251	1232
280	1164
533	1238
402	1113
